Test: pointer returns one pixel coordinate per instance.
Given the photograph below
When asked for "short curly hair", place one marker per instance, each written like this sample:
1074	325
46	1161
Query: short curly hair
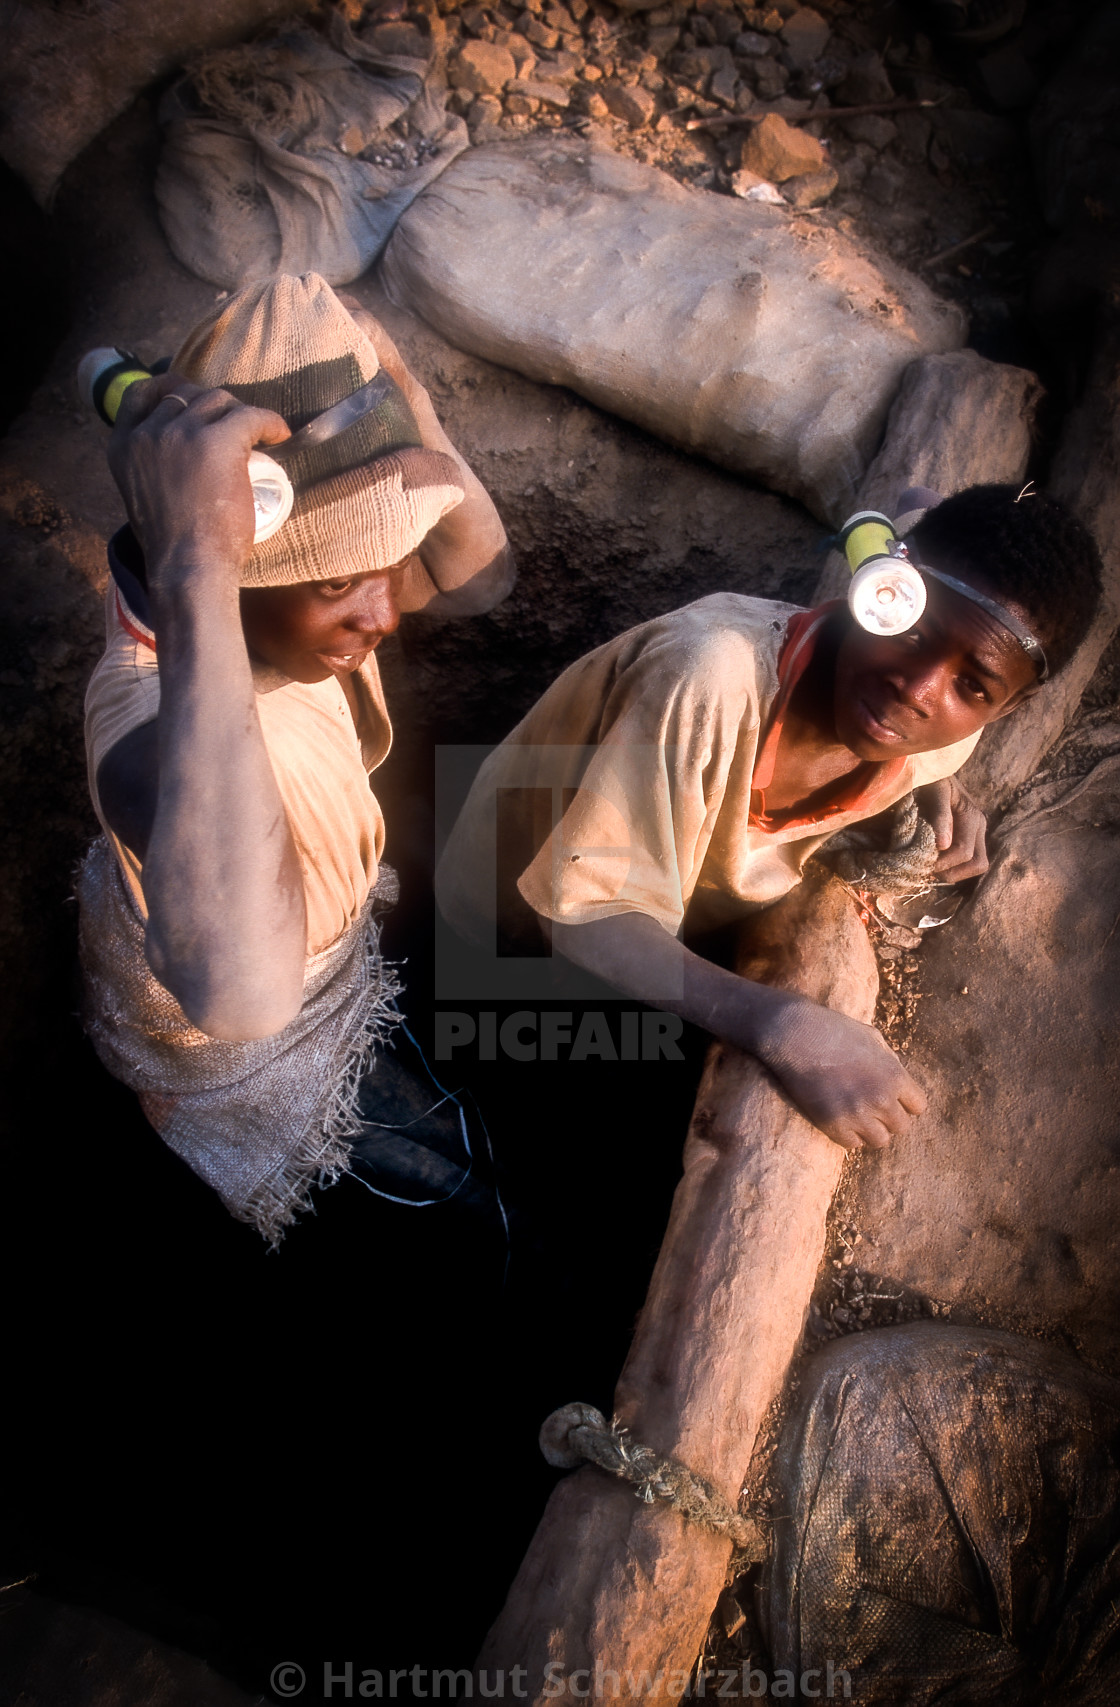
1028	548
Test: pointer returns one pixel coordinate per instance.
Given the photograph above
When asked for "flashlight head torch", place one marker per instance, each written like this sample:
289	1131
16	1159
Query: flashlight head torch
380	406
887	594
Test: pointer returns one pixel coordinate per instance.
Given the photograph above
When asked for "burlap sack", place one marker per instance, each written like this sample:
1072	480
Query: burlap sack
276	157
366	497
261	1122
947	1521
767	343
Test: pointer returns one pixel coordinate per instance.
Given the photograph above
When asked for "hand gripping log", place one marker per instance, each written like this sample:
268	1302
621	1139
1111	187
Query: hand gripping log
628	1586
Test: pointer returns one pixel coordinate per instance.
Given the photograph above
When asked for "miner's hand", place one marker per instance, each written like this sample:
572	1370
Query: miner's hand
840	1073
960	827
179	456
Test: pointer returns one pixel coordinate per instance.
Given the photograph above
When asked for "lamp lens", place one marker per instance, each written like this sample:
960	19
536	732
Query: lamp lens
887	596
272	495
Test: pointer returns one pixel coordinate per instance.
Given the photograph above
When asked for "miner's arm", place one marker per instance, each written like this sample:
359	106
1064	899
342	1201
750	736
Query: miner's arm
467	564
840	1073
194	794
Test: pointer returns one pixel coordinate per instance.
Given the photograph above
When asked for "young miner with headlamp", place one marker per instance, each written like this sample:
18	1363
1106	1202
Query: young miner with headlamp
682	774
232	974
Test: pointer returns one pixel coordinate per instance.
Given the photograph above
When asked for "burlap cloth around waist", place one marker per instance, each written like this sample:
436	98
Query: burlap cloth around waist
261	1122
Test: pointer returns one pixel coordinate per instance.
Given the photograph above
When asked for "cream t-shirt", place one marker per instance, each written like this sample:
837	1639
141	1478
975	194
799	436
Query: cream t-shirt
627	787
321	756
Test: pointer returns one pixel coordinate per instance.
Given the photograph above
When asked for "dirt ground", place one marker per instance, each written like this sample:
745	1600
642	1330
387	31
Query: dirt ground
242	1455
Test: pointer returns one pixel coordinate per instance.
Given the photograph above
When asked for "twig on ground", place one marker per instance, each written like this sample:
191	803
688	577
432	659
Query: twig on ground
736	121
958	248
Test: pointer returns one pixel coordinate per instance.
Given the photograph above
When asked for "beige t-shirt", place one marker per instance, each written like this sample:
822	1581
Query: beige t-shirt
627	787
321	756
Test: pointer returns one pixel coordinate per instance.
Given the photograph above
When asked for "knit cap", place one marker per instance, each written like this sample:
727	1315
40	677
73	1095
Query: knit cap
367	497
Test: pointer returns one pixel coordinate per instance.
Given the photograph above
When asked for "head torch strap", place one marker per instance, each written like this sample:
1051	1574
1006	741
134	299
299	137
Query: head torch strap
1001	614
335	420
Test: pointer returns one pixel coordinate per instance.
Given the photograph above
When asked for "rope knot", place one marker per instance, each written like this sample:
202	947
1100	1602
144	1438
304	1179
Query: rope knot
577	1433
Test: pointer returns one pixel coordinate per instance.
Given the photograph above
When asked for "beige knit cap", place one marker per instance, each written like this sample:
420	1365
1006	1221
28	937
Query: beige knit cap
288	344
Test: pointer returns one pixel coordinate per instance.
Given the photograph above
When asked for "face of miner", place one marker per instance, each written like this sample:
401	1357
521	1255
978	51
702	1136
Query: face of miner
956	670
318	629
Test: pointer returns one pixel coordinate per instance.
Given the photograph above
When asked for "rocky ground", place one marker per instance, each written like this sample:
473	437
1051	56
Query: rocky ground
746	100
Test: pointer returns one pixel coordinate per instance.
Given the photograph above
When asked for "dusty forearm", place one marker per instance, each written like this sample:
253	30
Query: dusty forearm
226	928
837	1071
633	952
468	564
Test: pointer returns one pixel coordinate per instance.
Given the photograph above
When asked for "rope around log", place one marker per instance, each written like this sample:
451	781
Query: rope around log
578	1432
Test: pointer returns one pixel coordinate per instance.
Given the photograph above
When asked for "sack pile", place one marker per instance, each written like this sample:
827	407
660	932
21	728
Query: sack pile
772	346
298	154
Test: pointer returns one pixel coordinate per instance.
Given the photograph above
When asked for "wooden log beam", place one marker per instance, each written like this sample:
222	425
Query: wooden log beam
609	1582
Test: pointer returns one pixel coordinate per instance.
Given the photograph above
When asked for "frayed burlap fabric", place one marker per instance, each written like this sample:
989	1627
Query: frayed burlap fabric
285	154
288	344
261	1122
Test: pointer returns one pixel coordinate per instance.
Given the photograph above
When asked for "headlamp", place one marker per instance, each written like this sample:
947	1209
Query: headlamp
887	594
315	451
104	375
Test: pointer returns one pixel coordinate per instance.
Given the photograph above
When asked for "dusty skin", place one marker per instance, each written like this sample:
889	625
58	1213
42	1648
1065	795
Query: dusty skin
914	694
864	699
227	926
226	919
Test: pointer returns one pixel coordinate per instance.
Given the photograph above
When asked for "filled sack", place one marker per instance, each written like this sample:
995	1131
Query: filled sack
764	341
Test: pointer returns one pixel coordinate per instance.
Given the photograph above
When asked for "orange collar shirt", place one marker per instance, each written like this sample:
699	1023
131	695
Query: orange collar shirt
637	783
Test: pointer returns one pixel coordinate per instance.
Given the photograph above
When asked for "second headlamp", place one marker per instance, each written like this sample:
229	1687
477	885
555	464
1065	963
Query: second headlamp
887	594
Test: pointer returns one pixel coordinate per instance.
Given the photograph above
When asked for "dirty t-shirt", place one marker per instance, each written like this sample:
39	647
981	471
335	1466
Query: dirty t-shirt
637	783
321	754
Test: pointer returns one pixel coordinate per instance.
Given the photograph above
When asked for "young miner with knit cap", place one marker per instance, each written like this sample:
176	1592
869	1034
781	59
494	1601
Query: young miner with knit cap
231	967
